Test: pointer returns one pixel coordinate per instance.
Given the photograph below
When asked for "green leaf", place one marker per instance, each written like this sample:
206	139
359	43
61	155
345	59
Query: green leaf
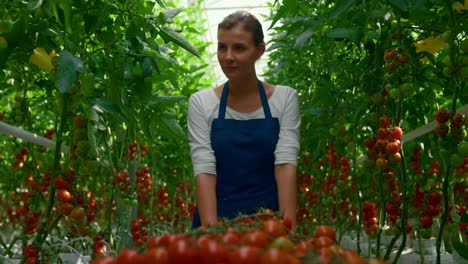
352	33
400	4
165	101
300	41
464	217
33	5
169	34
161	3
127	74
341	6
107	106
461	248
147	67
288	5
69	66
172	127
170	14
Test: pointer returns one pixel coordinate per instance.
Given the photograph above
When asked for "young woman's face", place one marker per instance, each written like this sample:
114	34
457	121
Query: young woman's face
237	52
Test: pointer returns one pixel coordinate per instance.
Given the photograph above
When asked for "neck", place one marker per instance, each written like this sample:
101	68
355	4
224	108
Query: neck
244	86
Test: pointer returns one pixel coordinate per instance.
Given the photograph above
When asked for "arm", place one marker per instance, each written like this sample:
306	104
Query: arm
206	198
203	160
286	153
285	175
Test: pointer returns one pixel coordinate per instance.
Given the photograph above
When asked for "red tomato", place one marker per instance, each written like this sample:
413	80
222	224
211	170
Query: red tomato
301	248
103	260
392	148
245	255
286	222
213	253
390	55
274	228
230	239
274	256
256	239
30	251
323	242
31	260
426	221
64	196
441	130
77	213
370	142
182	252
381	163
396	132
157	255
126	256
325	230
66	208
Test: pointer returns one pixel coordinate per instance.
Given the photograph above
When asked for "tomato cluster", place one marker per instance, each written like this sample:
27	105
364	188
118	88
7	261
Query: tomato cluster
139	230
456	123
98	247
31	253
259	239
143	183
48	134
20	158
395	87
369	214
386	146
123	182
432	209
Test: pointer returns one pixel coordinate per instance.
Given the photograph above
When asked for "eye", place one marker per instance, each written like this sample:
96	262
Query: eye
221	47
239	47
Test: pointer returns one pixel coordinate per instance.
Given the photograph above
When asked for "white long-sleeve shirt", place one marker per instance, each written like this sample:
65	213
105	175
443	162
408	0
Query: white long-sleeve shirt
203	108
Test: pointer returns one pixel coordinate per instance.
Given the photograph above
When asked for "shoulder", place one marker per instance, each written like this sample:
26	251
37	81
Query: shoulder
202	97
284	93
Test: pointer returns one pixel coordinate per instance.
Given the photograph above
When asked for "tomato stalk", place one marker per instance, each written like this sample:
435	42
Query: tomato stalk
456	82
43	229
358	186
403	183
382	211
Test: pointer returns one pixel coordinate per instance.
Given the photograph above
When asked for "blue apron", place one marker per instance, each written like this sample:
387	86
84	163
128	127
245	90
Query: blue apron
245	170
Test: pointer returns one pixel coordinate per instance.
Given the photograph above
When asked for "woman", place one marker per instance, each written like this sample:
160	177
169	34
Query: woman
244	135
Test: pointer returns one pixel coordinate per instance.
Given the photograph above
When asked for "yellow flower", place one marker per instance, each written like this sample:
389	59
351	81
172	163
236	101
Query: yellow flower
431	44
459	7
41	59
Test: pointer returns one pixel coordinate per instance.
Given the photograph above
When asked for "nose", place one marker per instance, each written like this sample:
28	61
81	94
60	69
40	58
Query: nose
229	54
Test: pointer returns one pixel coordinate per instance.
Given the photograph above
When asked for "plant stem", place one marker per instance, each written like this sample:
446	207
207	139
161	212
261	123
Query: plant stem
42	232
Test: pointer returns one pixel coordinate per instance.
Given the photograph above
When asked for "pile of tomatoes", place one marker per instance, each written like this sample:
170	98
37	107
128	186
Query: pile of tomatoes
260	239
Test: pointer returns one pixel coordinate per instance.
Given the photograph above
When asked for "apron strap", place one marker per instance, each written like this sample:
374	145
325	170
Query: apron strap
263	97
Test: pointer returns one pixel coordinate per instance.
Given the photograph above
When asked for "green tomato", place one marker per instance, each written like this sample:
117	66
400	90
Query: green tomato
463	149
424	233
395	93
464	59
456	159
464	46
407	88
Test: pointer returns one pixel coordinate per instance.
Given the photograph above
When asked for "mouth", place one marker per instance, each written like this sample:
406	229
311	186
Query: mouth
230	68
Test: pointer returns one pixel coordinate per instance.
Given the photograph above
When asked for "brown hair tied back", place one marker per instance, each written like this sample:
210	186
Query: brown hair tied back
250	24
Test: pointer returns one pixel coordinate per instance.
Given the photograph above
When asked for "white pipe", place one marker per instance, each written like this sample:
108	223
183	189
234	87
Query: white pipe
28	136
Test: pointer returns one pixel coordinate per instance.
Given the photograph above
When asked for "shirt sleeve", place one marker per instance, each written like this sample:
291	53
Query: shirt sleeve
287	148
202	155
